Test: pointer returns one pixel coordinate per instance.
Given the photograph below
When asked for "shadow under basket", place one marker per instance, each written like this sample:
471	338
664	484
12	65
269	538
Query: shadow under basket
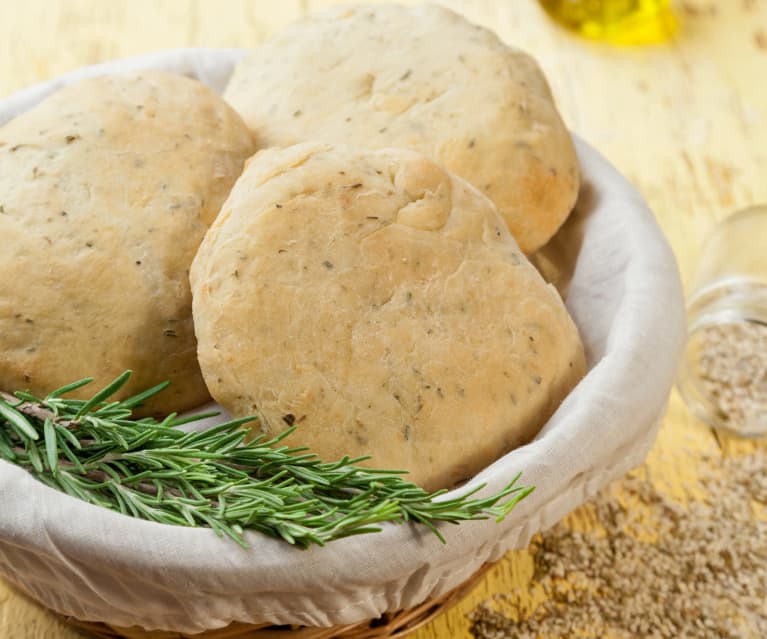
390	626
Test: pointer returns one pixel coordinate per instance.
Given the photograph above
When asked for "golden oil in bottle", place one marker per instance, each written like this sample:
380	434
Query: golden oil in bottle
626	22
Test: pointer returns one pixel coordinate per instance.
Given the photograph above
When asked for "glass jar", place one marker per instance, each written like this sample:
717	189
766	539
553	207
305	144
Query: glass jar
627	22
723	377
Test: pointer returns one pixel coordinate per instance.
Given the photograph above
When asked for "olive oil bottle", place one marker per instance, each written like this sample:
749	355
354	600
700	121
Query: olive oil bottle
627	22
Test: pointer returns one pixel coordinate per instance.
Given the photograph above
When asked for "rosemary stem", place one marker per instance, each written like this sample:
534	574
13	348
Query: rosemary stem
95	451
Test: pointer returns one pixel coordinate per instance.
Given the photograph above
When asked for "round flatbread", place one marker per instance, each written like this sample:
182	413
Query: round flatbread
423	78
379	304
106	190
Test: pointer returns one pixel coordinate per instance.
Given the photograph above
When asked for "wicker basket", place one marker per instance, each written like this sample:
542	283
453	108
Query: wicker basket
390	626
627	300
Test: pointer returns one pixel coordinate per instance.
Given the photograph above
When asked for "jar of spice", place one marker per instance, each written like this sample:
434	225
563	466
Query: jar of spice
723	377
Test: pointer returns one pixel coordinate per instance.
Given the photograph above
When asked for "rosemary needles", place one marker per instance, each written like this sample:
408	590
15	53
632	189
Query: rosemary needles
94	450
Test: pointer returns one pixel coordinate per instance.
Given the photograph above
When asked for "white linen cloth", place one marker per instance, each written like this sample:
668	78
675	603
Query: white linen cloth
626	298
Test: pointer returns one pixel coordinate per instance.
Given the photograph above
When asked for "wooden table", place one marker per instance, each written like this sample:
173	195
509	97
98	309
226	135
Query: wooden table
685	122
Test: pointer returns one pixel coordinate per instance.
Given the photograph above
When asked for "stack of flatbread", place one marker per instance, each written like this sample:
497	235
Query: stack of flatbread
364	277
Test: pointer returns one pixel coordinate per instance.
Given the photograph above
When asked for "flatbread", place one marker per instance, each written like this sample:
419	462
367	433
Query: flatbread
380	305
423	78
106	190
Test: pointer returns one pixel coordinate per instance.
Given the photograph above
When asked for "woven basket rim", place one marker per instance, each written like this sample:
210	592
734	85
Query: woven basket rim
389	626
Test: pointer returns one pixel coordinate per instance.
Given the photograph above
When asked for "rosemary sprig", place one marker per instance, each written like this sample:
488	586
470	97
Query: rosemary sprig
96	451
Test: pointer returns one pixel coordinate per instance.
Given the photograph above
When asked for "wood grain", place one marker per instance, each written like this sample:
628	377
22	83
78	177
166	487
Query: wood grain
686	122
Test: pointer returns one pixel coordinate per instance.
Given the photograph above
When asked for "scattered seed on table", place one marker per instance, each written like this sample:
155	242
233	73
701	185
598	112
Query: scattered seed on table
701	575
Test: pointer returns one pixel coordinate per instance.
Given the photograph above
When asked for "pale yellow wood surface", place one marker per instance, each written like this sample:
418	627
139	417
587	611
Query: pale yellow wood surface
686	122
